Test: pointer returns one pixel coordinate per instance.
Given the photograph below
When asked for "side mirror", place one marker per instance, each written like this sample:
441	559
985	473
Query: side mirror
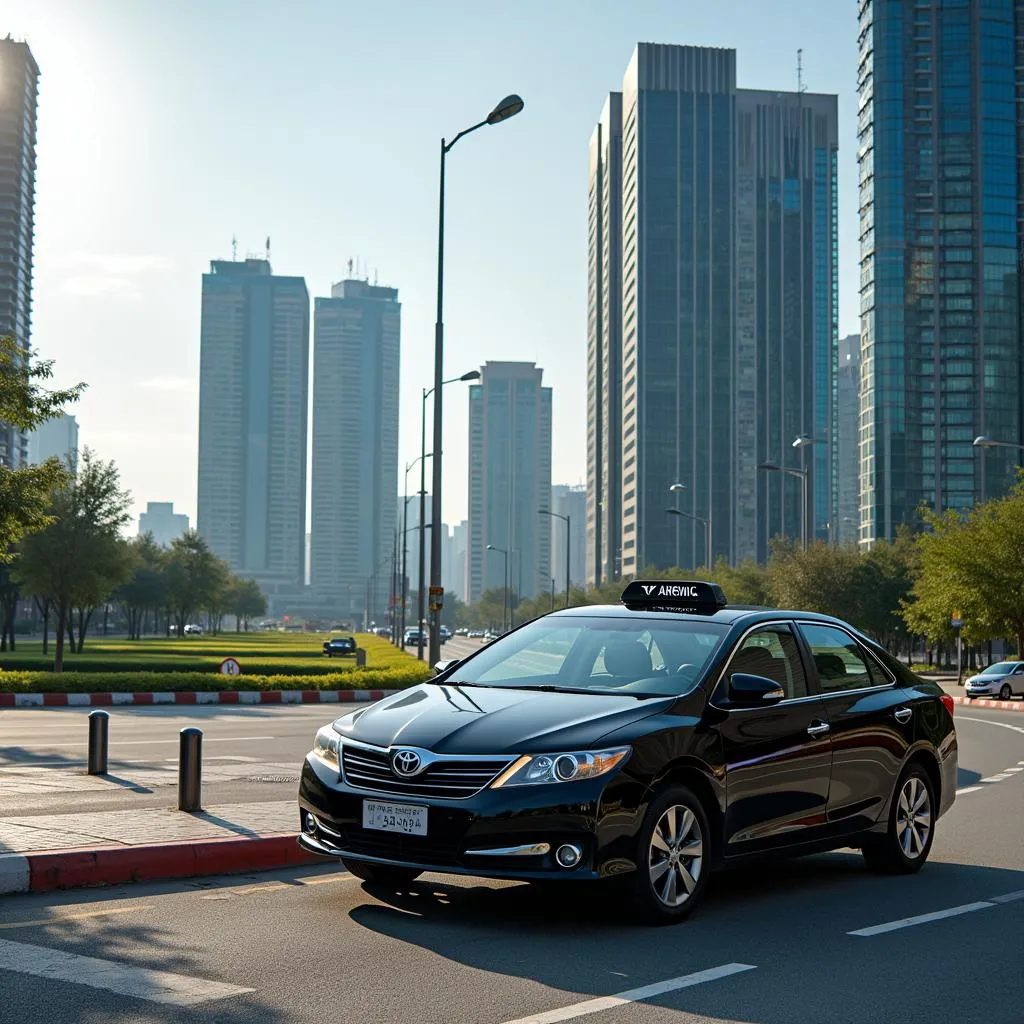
443	666
753	690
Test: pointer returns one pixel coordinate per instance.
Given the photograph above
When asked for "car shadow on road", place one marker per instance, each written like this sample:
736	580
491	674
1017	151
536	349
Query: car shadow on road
966	777
578	939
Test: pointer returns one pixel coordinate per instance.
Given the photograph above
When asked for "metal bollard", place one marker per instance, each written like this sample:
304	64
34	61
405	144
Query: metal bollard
360	658
99	722
190	770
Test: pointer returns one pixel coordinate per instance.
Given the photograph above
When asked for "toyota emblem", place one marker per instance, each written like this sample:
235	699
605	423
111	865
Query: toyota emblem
405	762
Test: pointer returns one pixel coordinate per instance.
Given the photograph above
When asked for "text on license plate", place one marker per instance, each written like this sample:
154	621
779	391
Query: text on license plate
387	817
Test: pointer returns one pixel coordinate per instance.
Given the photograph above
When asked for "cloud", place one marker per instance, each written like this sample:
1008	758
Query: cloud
95	273
168	383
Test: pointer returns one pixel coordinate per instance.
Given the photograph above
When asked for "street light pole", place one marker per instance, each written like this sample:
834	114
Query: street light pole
508	107
697	519
984	442
801	475
568	545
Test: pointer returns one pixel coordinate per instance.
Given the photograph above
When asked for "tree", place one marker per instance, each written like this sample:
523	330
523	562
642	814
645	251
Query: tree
78	559
245	601
26	404
146	589
194	577
824	579
973	564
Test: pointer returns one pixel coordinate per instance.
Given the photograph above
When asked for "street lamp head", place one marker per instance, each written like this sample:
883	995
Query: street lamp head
508	107
770	467
803	441
984	442
677	487
472	375
673	512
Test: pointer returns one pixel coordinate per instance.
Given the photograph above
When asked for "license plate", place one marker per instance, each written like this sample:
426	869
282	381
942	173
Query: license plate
408	819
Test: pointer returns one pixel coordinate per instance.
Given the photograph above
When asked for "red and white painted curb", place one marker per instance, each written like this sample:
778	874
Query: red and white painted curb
992	705
62	700
116	865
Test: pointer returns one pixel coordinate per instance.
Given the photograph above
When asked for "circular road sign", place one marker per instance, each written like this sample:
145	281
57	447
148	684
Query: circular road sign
230	667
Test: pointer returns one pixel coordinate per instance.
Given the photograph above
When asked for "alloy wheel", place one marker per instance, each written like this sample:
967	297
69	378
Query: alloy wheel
913	818
676	856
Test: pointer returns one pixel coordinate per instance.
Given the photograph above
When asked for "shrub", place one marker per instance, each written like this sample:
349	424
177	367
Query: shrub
172	682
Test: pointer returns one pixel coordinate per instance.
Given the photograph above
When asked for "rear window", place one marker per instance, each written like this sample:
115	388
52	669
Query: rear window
641	656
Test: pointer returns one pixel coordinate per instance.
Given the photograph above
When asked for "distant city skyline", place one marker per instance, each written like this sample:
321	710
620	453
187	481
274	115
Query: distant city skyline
162	522
116	263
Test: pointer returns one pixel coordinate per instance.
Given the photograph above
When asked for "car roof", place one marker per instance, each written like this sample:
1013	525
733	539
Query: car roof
731	615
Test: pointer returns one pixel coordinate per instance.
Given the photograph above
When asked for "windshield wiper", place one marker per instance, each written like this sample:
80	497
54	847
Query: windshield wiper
454	682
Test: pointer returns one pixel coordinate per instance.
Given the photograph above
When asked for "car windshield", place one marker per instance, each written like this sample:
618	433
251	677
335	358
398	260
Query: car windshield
1003	668
643	657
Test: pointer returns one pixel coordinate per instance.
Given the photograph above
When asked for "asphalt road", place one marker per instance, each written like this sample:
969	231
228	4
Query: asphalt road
793	944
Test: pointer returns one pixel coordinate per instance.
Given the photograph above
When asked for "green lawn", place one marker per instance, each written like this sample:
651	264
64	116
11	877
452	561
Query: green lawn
257	653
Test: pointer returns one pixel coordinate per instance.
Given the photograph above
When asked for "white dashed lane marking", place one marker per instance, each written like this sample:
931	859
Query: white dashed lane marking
124	979
633	995
937	915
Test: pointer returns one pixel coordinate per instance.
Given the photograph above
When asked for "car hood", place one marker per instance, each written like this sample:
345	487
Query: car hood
988	679
449	719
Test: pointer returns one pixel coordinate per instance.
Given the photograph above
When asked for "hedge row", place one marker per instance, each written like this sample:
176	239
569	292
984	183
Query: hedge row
173	682
264	666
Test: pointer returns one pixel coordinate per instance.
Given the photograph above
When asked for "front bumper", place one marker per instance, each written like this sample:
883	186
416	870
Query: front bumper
568	813
987	690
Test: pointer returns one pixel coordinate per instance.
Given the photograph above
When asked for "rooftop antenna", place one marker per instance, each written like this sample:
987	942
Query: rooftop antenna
234	248
349	268
374	277
268	248
800	87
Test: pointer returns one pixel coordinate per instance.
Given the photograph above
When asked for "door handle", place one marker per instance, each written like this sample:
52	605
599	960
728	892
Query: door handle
902	715
817	729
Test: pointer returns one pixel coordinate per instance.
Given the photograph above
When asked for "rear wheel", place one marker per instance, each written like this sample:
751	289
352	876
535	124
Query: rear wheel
908	839
382	874
672	860
1005	693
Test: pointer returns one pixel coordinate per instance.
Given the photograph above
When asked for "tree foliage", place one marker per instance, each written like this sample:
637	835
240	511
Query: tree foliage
196	578
78	559
245	601
26	403
145	590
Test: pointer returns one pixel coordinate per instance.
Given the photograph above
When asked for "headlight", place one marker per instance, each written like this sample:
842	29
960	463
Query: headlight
325	746
572	766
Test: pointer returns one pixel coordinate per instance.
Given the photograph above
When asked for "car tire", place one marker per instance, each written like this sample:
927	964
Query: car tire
1005	692
903	850
381	874
673	859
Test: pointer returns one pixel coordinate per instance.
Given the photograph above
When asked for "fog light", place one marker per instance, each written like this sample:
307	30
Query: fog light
568	856
311	823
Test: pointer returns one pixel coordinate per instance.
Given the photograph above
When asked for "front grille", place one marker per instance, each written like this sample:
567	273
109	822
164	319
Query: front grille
391	845
450	780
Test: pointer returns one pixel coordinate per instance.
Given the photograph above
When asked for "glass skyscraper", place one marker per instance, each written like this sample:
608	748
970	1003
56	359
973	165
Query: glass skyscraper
940	152
253	393
356	358
19	82
509	481
728	312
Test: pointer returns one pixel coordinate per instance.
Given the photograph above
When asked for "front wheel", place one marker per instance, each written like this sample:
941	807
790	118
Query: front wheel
1005	693
381	874
673	858
908	838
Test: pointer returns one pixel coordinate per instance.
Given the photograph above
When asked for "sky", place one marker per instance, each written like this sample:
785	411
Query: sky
167	127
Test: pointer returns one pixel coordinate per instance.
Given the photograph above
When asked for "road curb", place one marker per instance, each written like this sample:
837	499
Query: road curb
61	700
992	705
117	865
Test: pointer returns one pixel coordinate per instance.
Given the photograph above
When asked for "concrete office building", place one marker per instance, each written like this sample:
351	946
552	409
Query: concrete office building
569	501
253	391
848	440
729	326
941	151
357	343
163	522
19	80
55	439
453	576
509	480
603	529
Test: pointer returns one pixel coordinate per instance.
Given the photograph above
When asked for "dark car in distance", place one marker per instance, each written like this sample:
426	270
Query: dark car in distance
640	747
339	646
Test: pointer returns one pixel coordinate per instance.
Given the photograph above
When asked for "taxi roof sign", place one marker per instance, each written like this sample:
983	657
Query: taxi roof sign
674	595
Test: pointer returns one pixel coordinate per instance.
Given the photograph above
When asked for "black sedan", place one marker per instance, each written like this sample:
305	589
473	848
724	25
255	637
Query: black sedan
340	646
640	746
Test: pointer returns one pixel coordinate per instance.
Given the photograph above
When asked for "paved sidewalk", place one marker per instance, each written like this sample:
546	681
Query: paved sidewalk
31	781
146	826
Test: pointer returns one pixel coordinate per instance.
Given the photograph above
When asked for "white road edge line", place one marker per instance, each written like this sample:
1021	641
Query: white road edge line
122	978
959	792
988	721
910	922
1009	897
632	995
